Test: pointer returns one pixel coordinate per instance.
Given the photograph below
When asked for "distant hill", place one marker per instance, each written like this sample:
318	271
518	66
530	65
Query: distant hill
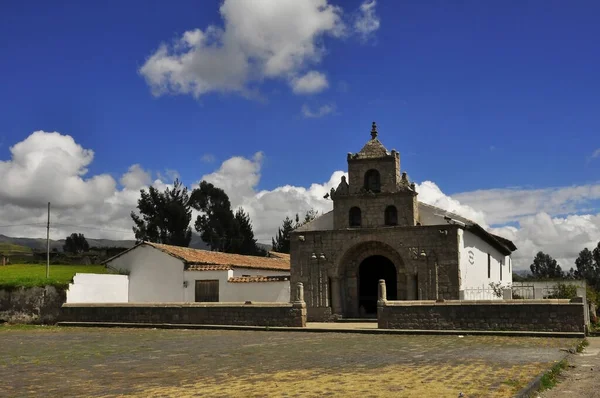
9	249
39	244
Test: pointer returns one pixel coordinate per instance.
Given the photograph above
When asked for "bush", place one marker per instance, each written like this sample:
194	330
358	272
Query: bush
564	291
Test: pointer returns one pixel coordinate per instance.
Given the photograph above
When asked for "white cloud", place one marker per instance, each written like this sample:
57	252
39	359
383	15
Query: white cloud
431	194
511	204
53	167
596	154
49	167
366	21
258	40
136	178
312	82
323	110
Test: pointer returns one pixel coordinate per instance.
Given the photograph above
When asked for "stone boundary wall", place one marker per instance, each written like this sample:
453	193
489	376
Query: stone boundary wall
511	315
255	314
291	314
31	304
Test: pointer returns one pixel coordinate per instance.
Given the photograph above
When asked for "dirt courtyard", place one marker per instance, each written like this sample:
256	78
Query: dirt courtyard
53	361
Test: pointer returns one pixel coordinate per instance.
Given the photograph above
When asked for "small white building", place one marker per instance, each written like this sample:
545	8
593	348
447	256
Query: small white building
484	258
164	273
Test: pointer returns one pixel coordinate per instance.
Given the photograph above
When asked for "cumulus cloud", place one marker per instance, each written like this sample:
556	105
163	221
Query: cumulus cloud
53	167
136	178
366	21
258	40
321	111
312	82
512	204
50	167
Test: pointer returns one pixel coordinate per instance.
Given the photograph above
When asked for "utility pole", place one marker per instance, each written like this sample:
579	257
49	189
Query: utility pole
48	244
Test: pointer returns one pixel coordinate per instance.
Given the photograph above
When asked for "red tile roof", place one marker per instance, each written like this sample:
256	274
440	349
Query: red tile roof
259	278
209	267
196	257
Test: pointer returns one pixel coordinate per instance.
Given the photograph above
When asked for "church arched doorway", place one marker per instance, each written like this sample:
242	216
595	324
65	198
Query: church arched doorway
370	271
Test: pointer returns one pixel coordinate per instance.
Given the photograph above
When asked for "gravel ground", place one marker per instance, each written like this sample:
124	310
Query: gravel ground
66	362
580	379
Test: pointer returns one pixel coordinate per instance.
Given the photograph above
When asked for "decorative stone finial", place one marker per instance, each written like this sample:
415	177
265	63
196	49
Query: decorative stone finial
374	131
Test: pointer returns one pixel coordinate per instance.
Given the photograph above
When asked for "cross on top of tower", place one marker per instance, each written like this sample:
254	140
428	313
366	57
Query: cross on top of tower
374	131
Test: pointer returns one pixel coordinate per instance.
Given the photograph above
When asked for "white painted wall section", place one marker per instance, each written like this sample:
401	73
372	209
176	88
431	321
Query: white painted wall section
154	276
240	292
473	263
98	288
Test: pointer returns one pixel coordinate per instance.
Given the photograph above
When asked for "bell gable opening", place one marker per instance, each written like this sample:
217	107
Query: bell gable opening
372	181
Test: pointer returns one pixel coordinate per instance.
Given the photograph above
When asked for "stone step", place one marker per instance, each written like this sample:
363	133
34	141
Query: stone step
356	320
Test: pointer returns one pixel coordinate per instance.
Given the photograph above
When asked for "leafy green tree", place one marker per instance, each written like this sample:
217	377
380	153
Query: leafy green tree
545	267
585	267
76	243
218	226
164	216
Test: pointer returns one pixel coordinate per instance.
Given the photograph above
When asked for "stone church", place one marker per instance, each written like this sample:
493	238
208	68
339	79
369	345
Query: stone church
379	230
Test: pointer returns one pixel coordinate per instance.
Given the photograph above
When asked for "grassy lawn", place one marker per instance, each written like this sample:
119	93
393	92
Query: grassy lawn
16	275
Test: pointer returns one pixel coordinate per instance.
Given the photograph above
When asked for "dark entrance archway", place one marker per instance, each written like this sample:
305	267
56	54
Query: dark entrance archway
370	271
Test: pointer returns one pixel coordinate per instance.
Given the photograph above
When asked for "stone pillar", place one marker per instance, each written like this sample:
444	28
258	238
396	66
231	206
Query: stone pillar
336	297
382	291
299	293
507	294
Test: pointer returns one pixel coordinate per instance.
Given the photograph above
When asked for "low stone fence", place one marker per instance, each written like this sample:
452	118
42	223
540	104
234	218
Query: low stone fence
31	304
551	315
291	314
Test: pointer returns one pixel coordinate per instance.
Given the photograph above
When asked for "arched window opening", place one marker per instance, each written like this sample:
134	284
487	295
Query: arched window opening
391	215
372	181
355	217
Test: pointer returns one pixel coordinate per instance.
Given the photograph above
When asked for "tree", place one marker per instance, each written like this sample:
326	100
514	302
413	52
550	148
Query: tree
164	216
76	243
281	243
545	267
308	217
245	243
588	266
219	227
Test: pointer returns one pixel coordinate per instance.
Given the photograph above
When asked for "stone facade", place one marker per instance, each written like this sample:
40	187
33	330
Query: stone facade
38	305
263	314
291	314
375	220
510	315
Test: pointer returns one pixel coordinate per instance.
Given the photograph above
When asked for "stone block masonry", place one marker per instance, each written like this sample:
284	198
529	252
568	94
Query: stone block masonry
509	315
37	305
256	314
291	314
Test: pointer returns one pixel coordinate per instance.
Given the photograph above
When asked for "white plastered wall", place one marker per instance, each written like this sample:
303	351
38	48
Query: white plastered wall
474	280
153	275
98	288
240	292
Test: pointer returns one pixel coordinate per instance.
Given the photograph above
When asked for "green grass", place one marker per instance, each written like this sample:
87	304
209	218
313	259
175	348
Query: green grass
28	275
549	379
581	346
9	248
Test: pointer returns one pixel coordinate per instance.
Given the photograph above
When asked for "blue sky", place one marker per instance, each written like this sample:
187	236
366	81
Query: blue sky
475	95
